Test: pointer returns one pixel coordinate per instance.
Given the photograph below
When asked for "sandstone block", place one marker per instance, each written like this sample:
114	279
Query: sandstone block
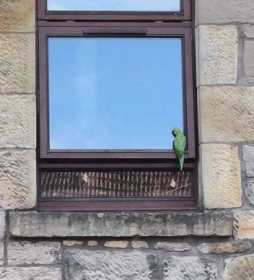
31	273
173	246
221	11
17	16
221	176
70	243
17	179
248	30
249	60
240	268
248	157
232	247
139	244
135	265
17	63
226	114
23	253
244	224
2	225
116	244
52	224
249	191
218	54
18	121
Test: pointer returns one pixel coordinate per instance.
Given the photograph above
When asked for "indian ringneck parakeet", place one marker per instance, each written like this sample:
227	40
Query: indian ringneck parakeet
179	145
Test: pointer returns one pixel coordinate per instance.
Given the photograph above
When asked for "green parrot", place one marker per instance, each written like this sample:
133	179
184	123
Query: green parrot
179	145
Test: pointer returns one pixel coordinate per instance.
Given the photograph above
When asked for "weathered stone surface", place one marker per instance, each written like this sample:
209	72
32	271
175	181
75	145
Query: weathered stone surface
221	177
135	265
218	54
17	16
225	247
139	244
71	243
116	244
240	268
30	273
17	63
248	30
2	224
92	243
226	114
249	191
248	157
249	60
221	11
17	179
18	121
1	253
244	224
20	253
51	224
173	246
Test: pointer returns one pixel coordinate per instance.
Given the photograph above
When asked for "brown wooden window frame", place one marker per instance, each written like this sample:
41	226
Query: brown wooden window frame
86	24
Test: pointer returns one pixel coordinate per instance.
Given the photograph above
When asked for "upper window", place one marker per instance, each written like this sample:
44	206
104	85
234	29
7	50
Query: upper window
110	94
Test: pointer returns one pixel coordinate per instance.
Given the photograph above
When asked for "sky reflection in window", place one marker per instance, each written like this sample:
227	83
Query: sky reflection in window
114	5
114	93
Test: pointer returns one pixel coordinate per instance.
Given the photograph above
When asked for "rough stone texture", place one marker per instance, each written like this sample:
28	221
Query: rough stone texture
221	180
249	191
218	54
71	243
225	247
116	244
135	265
139	244
1	253
18	121
52	224
92	243
17	16
226	114
249	60
221	11
2	224
244	224
240	268
248	30
30	273
20	253
17	179
248	157
173	246
17	63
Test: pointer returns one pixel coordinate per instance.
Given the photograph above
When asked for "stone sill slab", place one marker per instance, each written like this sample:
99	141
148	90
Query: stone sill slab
32	224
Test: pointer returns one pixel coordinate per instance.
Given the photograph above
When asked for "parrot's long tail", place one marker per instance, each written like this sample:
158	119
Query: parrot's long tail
181	162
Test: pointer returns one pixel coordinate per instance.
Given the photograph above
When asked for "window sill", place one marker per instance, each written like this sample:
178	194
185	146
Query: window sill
32	224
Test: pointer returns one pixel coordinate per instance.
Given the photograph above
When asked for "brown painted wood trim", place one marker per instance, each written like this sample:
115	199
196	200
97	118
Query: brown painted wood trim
184	15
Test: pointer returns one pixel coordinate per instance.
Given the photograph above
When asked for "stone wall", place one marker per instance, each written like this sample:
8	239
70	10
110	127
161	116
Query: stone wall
214	242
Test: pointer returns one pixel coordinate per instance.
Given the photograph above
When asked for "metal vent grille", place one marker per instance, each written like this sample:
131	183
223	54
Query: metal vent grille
115	184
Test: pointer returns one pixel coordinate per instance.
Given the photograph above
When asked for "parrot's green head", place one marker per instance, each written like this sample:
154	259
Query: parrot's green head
176	132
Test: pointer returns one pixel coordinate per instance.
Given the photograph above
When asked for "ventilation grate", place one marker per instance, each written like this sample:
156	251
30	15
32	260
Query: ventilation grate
115	184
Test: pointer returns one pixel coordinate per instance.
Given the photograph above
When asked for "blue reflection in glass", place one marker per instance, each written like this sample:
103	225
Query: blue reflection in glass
114	93
114	5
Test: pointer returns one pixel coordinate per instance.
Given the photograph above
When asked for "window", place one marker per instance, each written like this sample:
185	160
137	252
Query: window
114	80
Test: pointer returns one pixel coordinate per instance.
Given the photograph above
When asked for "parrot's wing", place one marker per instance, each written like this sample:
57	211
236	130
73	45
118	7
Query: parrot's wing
179	145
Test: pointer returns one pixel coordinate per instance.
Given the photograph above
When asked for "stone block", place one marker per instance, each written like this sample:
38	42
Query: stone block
226	114
173	246
218	54
2	224
221	11
248	30
30	273
135	265
27	253
18	121
240	268
248	157
116	244
139	244
249	191
17	63
244	224
221	176
1	253
17	16
249	60
230	247
17	179
52	224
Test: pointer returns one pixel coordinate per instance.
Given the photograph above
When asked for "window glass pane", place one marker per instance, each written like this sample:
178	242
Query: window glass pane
114	93
114	5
